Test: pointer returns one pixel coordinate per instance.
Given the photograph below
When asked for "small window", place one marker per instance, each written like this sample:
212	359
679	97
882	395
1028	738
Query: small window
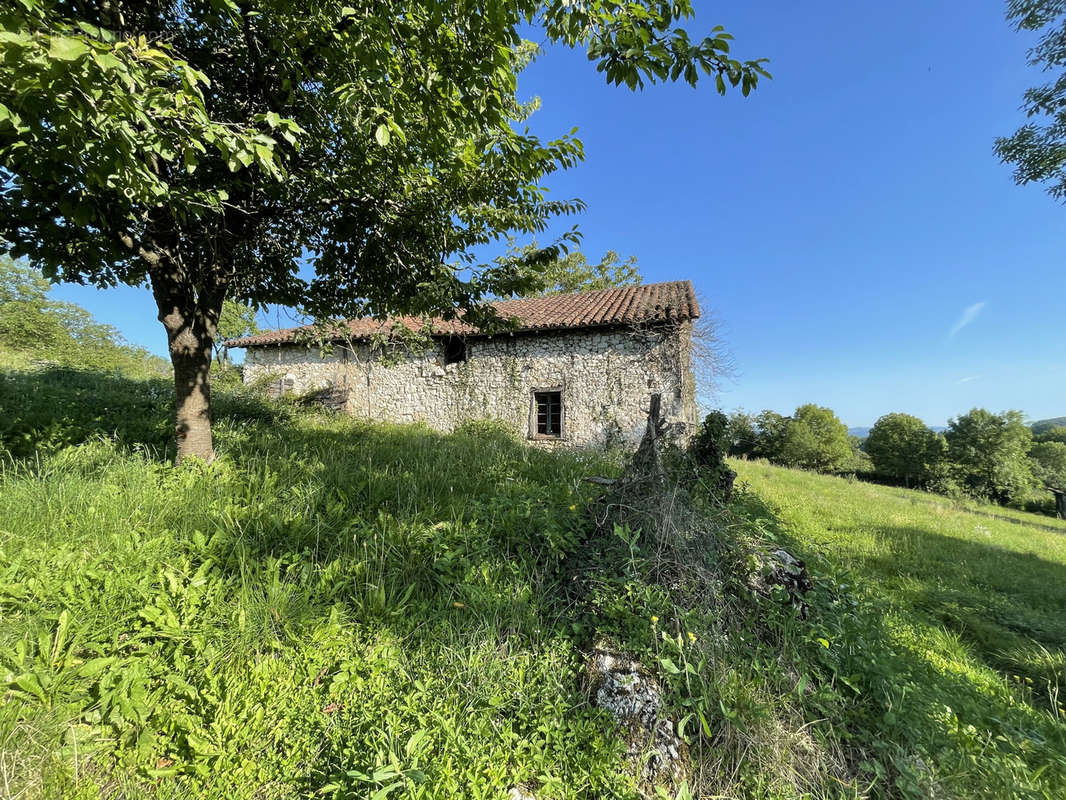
549	413
454	350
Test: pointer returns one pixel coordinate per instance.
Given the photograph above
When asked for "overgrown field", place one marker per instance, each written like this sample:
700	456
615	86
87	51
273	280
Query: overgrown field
344	610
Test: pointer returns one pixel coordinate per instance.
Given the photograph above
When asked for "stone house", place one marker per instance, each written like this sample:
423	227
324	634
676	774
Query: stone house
576	369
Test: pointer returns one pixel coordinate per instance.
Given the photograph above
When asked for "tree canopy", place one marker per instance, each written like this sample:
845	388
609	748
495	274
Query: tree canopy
1037	150
815	438
33	323
990	451
341	158
903	447
574	273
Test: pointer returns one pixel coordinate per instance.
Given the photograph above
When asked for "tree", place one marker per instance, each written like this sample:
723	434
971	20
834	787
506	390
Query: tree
707	452
343	158
1056	433
741	435
990	453
573	273
1038	149
235	321
815	438
1049	467
31	322
902	446
770	435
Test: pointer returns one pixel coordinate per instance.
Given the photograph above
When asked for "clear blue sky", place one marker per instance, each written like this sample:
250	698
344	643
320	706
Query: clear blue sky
841	222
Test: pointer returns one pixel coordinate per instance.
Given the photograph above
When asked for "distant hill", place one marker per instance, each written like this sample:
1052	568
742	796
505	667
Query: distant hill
1042	425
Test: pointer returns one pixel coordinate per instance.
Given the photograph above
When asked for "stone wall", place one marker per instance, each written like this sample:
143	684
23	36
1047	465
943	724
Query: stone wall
605	377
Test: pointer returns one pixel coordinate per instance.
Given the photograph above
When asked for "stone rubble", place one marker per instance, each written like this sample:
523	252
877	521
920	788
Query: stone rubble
632	696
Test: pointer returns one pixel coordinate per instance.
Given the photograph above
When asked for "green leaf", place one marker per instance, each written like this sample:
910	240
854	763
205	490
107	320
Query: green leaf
669	666
95	666
382	135
65	48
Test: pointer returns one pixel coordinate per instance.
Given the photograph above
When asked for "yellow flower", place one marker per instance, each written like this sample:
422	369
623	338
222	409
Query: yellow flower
654	620
573	508
691	636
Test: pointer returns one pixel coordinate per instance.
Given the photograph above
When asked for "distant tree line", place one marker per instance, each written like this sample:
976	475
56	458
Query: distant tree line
984	455
37	326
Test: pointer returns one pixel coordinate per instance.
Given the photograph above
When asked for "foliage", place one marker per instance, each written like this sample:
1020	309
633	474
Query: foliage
208	163
989	453
341	609
902	446
236	321
1049	463
64	333
573	273
707	450
741	435
812	438
1052	433
1037	150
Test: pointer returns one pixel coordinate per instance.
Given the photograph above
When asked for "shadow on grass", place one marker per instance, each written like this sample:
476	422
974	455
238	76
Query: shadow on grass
46	410
449	548
1005	605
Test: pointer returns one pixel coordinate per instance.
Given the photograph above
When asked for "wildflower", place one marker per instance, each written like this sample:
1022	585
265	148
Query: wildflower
654	619
573	508
691	636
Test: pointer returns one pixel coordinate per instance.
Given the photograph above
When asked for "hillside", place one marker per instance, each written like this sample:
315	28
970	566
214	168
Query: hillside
973	598
1044	425
344	610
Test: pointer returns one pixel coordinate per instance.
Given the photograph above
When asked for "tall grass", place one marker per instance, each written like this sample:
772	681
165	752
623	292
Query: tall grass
337	609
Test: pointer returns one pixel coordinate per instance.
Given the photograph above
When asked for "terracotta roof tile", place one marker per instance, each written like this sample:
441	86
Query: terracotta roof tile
629	305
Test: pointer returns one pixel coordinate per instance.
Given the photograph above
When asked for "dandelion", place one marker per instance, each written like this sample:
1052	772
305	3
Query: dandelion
654	620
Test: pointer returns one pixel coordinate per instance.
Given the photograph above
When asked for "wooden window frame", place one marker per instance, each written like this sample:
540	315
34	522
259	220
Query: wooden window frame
547	437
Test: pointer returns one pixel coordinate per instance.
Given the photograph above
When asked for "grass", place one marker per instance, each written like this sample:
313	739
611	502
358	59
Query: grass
972	595
342	610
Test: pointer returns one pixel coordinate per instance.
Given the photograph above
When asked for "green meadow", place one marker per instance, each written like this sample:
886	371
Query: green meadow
338	609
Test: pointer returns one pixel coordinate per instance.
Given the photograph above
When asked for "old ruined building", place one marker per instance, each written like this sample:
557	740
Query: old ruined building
576	369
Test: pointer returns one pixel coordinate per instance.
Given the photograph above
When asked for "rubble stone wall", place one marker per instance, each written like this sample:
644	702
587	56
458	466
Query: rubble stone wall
605	377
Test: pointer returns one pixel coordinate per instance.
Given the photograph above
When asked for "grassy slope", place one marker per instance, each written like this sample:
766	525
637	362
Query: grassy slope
334	609
330	604
976	596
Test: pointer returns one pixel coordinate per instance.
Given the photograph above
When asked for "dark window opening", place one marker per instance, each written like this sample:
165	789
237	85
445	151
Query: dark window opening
454	350
549	413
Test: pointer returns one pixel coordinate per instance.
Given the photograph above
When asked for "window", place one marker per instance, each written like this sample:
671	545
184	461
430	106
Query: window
548	414
454	350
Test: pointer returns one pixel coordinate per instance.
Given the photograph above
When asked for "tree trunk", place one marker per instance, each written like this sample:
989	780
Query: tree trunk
192	396
191	322
1060	503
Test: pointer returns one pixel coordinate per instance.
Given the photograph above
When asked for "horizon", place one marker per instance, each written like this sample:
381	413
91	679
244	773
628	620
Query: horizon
848	224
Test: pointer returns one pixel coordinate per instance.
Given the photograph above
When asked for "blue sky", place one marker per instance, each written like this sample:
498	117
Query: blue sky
848	224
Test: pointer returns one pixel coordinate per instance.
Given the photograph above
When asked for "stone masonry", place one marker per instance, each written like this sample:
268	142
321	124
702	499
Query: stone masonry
604	375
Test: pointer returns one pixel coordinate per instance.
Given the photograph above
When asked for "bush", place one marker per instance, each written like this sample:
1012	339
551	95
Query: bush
707	450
